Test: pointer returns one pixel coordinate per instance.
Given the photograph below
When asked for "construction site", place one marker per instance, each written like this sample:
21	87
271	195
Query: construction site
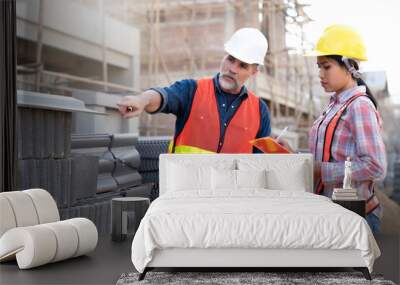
77	59
126	46
141	44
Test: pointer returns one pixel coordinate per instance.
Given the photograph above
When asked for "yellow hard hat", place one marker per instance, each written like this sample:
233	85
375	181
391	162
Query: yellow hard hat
341	40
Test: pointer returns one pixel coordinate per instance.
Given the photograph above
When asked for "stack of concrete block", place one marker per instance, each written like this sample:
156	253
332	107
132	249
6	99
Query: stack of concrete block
127	160
150	149
43	152
81	174
118	160
43	133
54	175
94	146
115	165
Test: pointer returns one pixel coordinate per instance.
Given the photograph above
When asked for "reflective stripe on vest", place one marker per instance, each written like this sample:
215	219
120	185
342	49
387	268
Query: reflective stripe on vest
202	129
186	149
372	203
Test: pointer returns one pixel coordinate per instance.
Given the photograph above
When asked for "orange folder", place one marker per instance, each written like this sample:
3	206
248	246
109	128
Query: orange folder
269	145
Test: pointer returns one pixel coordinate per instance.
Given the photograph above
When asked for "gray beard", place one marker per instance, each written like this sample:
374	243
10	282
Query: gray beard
227	85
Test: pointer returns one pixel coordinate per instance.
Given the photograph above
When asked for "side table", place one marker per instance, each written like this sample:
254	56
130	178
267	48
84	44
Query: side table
357	206
126	214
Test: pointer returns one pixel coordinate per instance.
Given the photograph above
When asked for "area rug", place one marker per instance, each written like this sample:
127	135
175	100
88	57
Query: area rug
269	278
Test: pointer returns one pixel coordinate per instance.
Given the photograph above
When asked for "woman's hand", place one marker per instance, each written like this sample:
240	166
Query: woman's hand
285	144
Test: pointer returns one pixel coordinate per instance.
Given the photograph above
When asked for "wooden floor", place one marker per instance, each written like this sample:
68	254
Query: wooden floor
111	259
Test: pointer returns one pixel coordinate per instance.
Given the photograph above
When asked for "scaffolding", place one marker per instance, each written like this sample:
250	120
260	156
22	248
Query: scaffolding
185	38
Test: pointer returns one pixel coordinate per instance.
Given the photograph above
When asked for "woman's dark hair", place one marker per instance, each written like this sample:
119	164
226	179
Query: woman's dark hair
360	81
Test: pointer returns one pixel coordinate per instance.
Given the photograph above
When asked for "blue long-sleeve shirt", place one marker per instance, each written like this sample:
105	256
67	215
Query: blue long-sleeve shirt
177	99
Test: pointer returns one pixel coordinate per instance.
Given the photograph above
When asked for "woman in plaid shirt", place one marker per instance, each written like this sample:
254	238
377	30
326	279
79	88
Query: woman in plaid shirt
350	126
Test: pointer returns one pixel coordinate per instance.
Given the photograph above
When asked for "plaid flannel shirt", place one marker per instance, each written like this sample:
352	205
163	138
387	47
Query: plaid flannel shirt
358	136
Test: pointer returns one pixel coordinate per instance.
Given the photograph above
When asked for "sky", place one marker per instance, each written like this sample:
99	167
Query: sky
378	21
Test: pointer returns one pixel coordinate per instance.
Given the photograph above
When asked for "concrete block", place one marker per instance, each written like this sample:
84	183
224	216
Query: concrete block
127	177
84	171
53	175
43	134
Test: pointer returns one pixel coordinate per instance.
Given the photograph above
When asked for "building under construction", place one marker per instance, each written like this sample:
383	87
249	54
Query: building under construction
100	50
62	130
114	48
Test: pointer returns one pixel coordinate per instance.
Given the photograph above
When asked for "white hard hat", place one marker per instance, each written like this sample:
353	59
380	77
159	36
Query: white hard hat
248	45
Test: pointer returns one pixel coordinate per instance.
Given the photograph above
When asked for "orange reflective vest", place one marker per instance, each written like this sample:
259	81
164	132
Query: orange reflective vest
372	203
202	129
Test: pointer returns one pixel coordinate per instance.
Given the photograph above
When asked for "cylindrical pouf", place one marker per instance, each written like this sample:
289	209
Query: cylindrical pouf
7	218
40	244
23	208
46	207
126	214
87	235
32	246
26	208
67	239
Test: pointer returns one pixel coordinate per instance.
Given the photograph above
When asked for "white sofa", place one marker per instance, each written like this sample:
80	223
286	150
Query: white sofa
237	210
31	231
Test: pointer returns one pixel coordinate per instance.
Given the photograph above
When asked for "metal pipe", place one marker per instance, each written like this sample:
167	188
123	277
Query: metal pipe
39	46
104	43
